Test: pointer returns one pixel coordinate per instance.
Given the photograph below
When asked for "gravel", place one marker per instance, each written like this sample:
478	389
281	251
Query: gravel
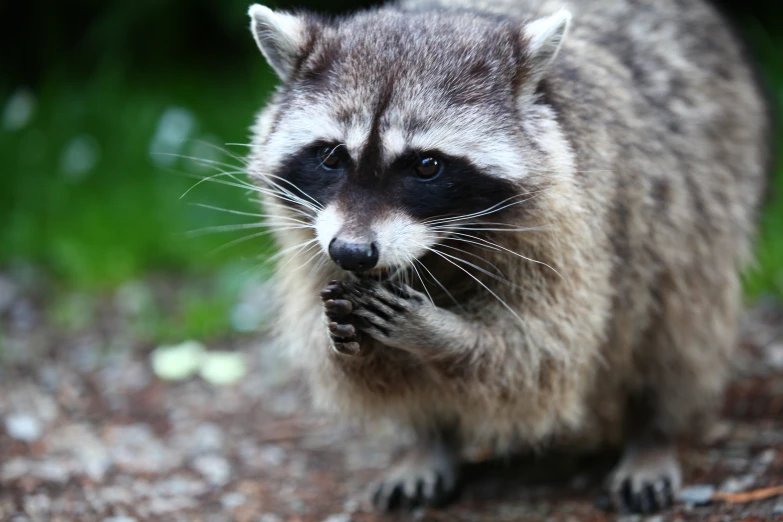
89	433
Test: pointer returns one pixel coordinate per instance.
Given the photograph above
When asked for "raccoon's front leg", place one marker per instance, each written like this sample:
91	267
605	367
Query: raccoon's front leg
648	477
427	475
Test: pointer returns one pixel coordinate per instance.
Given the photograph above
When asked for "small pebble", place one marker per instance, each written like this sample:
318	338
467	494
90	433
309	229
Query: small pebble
340	517
697	495
119	519
351	505
232	500
737	484
8	292
765	458
216	470
774	356
24	427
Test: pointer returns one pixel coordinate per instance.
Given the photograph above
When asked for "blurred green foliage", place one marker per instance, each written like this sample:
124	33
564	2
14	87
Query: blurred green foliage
89	88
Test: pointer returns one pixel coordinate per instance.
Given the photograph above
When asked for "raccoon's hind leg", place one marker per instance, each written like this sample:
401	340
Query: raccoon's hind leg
425	476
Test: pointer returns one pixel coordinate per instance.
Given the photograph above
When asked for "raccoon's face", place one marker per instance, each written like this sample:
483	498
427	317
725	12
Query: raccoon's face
396	124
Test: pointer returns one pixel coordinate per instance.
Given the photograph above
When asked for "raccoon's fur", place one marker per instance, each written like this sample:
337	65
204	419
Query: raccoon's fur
569	275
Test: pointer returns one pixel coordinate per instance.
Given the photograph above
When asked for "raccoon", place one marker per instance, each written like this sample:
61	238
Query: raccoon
513	224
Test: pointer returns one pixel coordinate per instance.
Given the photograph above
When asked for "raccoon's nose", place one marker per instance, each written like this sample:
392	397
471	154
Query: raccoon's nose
356	257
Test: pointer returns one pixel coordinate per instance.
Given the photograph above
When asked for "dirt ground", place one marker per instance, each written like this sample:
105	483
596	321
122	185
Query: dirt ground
89	433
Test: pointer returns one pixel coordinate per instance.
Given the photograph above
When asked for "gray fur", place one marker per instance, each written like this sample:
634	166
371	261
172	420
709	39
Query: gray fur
642	145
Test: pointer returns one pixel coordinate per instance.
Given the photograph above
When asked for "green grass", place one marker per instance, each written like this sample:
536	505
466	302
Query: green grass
766	276
124	216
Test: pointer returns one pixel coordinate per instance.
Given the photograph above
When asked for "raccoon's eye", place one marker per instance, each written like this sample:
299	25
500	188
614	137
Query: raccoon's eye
330	158
428	167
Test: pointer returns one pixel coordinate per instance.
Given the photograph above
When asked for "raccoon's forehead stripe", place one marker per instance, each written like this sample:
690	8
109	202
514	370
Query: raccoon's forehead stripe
492	154
304	127
394	143
371	158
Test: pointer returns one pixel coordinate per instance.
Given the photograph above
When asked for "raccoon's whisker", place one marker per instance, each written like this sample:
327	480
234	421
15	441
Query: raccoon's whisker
330	155
305	211
274	191
318	252
291	199
275	187
305	194
228	210
297	210
244	226
319	265
486	247
230	174
488	211
204	161
473	265
478	223
423	286
494	208
496	296
473	255
511	252
240	240
288	219
245	238
497	207
287	195
437	281
478	229
283	252
465	216
405	275
242	160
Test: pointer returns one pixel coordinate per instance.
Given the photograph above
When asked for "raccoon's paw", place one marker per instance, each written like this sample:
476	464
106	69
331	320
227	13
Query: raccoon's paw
425	477
339	311
388	312
647	479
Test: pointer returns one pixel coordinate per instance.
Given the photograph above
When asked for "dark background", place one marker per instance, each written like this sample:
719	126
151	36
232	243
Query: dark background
105	102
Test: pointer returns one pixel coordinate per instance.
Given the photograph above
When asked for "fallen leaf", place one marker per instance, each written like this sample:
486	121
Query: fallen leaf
178	362
222	368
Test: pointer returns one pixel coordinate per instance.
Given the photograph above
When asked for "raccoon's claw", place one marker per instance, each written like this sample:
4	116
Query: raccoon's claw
345	338
338	308
385	309
646	480
428	479
643	497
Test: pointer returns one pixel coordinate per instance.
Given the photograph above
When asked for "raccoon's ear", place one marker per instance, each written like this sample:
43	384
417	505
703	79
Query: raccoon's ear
280	36
543	38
